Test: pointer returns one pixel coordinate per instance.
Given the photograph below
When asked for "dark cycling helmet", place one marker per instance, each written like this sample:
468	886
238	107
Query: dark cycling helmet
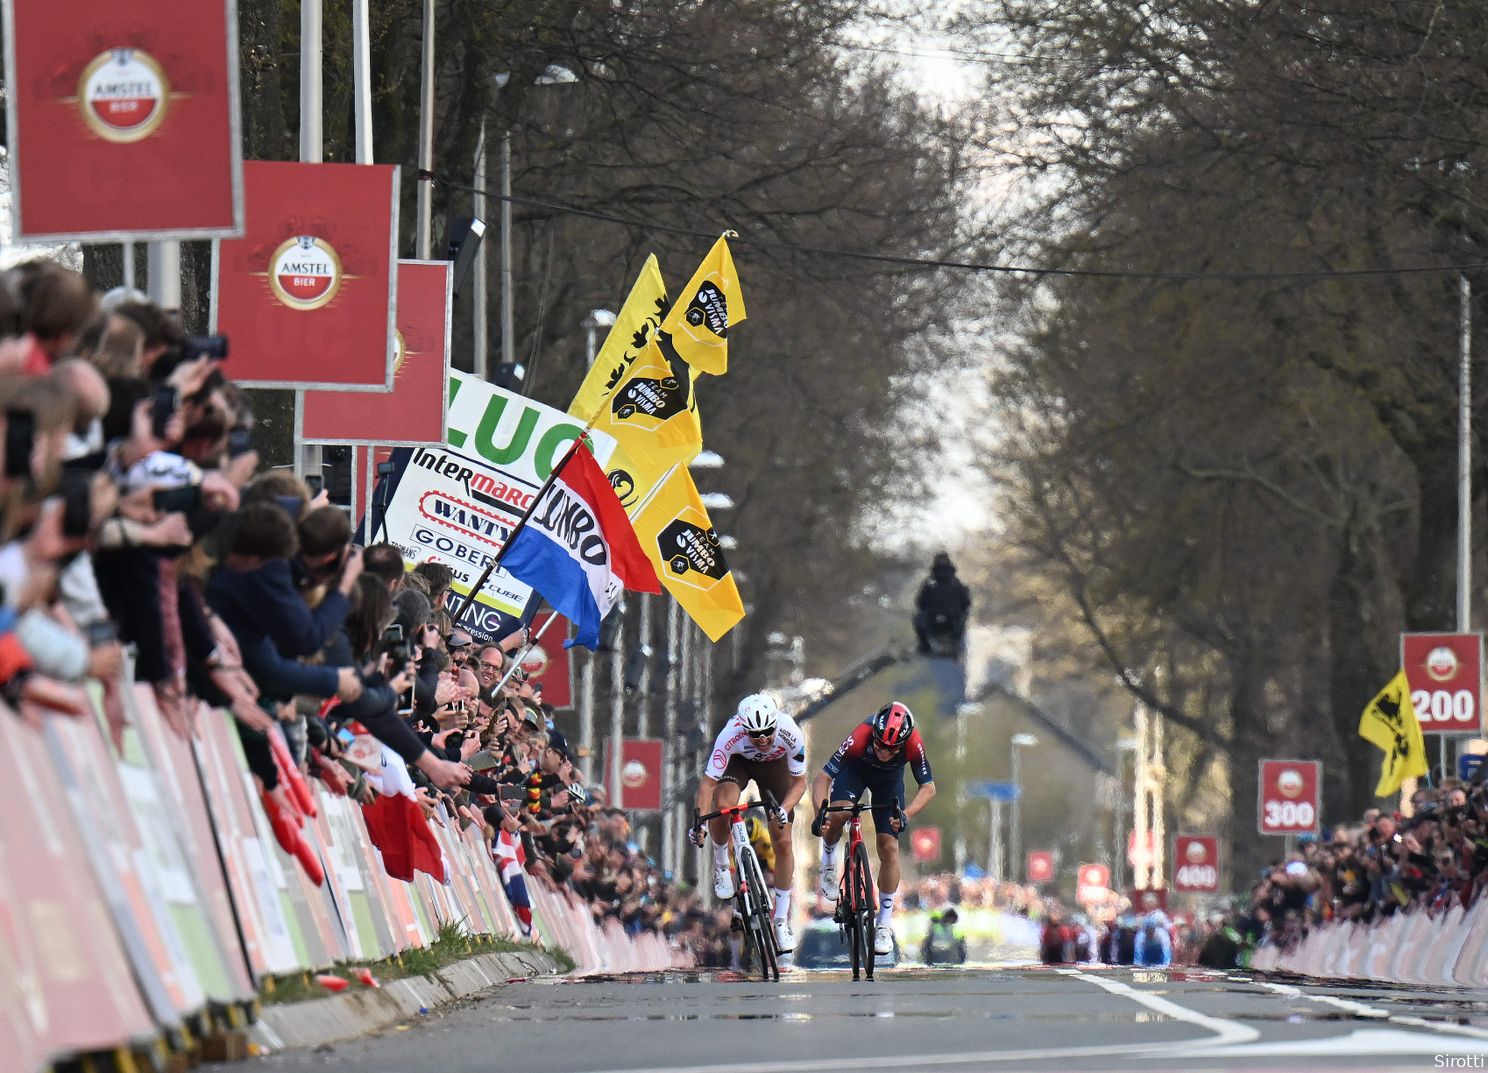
893	725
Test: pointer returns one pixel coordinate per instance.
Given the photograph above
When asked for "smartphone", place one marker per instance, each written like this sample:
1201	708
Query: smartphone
344	736
20	437
315	483
393	632
163	405
204	346
77	503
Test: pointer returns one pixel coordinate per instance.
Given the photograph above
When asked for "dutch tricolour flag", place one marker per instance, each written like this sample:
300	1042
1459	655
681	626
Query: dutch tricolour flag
577	548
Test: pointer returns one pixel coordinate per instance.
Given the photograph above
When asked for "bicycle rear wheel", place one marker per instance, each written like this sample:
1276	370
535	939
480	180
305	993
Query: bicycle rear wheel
863	903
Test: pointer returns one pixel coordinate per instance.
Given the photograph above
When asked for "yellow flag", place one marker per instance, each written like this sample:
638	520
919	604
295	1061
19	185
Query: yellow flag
637	321
1389	722
652	413
677	535
696	329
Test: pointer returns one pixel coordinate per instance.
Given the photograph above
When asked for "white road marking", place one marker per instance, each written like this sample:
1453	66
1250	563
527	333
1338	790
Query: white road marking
1372	1042
1225	1031
1360	1009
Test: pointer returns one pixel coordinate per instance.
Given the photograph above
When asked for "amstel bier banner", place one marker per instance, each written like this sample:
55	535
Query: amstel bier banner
413	414
308	294
123	118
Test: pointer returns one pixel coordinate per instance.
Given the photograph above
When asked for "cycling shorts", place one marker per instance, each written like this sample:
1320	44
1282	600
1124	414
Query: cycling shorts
886	790
770	777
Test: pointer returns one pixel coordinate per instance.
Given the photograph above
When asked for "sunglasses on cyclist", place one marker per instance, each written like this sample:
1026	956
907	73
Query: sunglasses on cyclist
762	734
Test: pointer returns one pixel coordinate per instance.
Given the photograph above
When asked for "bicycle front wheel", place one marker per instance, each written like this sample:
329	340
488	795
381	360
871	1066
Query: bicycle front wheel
863	905
764	918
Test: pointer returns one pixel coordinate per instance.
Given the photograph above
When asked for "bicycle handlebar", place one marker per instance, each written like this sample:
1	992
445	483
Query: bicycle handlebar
734	810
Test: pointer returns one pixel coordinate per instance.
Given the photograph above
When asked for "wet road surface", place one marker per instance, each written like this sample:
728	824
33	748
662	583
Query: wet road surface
990	1018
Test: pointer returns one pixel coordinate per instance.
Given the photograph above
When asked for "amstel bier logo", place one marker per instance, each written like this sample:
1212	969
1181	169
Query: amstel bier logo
305	272
123	94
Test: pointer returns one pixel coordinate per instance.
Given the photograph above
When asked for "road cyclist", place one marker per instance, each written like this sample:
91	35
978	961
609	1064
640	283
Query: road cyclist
760	743
872	760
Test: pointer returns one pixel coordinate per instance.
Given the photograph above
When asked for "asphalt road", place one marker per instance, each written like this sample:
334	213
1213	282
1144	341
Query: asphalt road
987	1018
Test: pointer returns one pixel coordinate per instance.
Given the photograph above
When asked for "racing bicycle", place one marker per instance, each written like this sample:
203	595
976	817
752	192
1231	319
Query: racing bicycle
855	899
753	902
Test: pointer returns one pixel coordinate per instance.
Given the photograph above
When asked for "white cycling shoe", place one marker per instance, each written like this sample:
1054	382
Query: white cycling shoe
723	882
827	891
883	940
785	938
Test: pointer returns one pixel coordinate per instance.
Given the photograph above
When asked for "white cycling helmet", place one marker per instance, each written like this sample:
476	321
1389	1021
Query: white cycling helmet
758	714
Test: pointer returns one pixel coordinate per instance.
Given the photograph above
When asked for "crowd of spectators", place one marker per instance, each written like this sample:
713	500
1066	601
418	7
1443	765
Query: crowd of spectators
1433	858
142	535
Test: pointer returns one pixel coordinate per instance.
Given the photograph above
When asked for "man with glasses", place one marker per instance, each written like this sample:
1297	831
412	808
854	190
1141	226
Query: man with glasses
764	744
872	760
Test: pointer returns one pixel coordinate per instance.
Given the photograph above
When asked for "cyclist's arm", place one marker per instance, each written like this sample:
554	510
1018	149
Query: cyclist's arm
821	787
707	790
923	796
795	793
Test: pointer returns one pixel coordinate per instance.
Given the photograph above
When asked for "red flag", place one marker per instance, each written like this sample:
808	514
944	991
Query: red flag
397	827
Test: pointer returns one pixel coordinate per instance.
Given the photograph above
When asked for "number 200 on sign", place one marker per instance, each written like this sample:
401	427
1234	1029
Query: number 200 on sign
1290	814
1439	706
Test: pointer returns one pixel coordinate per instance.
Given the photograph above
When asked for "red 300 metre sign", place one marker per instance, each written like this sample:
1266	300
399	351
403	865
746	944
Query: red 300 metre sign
1290	797
1445	674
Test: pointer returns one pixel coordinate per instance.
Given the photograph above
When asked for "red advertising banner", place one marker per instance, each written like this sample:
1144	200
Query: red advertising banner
123	119
308	294
413	413
640	773
1290	799
1040	866
924	843
1445	675
1196	864
548	663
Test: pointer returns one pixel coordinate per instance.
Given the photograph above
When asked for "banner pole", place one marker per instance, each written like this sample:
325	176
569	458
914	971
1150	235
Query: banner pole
522	652
312	151
426	137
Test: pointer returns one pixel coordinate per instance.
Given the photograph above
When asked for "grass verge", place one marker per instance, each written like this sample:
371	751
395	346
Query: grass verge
451	945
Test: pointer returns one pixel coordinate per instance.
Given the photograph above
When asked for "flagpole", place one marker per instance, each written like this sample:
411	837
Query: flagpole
517	659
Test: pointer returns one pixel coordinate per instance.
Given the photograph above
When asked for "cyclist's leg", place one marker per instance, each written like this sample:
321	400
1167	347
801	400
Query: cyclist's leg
730	786
888	801
847	787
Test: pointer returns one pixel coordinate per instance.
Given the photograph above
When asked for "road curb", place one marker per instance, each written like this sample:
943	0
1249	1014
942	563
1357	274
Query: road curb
355	1013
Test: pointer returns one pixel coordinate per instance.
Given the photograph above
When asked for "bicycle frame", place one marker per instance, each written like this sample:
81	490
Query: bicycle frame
753	899
855	900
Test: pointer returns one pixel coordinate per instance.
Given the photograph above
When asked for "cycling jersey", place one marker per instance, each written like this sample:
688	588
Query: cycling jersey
857	750
788	744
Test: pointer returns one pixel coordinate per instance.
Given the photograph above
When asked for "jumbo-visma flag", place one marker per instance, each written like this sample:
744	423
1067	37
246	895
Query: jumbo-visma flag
1389	722
696	329
651	411
675	531
577	548
636	322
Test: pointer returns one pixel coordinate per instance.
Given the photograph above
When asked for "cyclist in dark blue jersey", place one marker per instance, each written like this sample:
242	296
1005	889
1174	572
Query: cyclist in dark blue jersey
872	760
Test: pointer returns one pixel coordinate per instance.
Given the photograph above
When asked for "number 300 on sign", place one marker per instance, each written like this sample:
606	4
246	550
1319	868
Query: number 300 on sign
1290	814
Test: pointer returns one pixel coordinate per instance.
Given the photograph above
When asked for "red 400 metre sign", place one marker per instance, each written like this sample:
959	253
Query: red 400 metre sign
1290	797
1445	674
1196	863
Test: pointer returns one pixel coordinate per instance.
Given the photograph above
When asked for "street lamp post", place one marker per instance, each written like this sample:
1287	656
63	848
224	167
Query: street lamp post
1015	858
1118	869
963	714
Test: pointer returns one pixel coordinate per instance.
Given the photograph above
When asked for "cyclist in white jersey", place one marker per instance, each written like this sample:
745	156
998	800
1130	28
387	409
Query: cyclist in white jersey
764	744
